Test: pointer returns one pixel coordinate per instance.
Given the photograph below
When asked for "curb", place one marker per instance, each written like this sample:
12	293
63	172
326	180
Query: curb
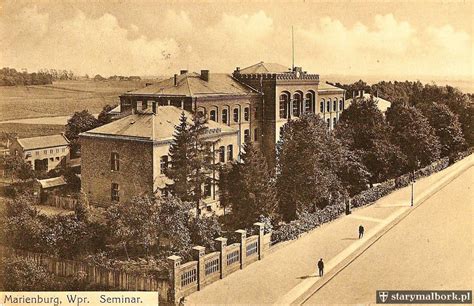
346	262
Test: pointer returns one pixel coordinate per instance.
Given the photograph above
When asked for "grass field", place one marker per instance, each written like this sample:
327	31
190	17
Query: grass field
31	130
61	98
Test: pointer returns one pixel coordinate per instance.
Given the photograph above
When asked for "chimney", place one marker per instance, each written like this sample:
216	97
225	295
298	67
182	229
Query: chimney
205	75
153	107
237	69
183	71
175	80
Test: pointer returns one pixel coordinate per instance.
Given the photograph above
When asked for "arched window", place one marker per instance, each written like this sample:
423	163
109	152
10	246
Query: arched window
225	116
284	102
230	152
309	102
297	100
334	105
341	105
222	154
246	135
236	115
328	105
246	114
321	106
212	115
328	122
334	121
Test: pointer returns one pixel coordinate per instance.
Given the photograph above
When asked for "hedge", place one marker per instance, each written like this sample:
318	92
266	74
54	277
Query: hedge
308	221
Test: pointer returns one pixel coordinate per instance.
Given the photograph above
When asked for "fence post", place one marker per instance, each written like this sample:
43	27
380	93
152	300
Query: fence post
222	247
243	247
175	265
198	253
260	227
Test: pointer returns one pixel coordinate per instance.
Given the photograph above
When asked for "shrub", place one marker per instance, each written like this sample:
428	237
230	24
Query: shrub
19	274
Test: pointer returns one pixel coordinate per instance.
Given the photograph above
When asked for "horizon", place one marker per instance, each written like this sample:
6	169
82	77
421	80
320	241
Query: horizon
362	38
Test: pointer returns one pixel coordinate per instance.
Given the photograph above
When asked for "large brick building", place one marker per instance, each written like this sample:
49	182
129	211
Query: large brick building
127	157
257	100
252	103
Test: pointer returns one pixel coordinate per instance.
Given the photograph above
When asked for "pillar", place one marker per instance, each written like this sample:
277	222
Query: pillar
222	247
243	247
198	254
260	230
174	294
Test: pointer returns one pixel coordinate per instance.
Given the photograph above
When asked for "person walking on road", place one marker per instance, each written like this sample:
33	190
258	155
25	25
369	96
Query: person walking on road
321	267
361	231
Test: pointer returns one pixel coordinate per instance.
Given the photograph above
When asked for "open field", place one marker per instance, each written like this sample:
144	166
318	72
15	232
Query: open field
31	130
61	98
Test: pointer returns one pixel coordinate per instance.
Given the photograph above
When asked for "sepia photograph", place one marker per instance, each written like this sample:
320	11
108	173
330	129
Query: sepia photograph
236	152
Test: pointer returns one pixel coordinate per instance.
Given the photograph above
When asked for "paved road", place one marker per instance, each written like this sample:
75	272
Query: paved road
432	248
289	272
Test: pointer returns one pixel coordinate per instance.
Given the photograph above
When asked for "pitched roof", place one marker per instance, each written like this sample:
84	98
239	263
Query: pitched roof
147	126
52	182
192	85
382	104
265	68
43	142
323	85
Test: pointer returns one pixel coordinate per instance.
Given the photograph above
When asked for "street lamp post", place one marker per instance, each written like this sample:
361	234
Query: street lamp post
412	191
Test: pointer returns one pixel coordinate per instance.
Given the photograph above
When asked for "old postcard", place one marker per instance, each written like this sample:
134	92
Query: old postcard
236	152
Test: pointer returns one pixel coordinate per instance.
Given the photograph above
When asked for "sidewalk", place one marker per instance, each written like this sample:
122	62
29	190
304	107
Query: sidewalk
285	274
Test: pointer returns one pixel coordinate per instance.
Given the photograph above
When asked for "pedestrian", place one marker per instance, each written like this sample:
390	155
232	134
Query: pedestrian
361	231
321	267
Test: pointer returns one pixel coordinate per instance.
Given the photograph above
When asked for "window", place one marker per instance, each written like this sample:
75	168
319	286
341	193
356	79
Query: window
45	151
64	149
57	150
212	115
200	113
57	158
256	112
334	121
308	103
246	114
114	192
37	153
329	122
284	102
51	159
328	106
51	151
236	115
246	135
230	152
224	116
321	106
341	105
28	154
255	135
297	99
334	105
163	163
222	154
207	187
114	161
144	104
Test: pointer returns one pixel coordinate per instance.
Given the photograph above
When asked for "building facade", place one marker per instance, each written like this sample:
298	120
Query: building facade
128	157
43	153
257	100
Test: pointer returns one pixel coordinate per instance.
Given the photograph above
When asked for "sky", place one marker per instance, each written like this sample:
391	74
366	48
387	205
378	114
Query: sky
413	38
